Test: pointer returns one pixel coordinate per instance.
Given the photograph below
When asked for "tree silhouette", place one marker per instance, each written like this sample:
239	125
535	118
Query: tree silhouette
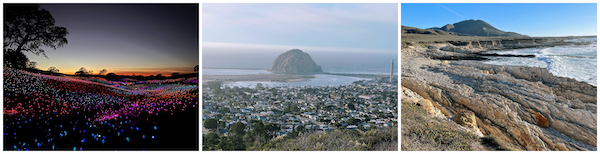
31	64
15	59
27	28
175	74
102	72
111	76
196	68
82	71
53	69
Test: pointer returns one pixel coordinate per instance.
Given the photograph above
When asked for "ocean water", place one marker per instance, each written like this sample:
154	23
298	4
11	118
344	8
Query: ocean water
573	61
332	62
319	80
208	71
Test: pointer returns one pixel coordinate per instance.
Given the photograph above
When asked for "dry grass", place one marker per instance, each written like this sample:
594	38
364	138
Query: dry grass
421	133
385	139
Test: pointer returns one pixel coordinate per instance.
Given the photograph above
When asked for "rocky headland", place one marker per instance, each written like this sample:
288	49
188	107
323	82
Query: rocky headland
523	108
295	61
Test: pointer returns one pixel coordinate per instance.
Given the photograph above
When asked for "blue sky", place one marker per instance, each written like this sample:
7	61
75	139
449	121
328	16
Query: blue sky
533	19
348	26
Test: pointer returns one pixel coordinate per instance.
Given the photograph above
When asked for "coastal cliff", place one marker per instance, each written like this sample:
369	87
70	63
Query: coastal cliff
522	108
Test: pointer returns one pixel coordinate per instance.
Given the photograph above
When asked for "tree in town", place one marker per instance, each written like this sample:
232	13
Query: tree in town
210	124
351	121
237	129
351	106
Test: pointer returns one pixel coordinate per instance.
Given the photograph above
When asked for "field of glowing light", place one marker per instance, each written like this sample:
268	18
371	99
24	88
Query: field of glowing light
45	112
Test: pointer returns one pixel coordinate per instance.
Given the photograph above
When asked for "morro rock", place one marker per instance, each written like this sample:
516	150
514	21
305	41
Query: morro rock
295	61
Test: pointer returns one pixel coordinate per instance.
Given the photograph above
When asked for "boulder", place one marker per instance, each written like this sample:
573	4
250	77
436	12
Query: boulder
466	118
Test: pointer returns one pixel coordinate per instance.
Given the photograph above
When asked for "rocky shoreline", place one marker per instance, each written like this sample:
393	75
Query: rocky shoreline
517	104
476	48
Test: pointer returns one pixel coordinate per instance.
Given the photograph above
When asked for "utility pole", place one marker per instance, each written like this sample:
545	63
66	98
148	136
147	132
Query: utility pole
392	71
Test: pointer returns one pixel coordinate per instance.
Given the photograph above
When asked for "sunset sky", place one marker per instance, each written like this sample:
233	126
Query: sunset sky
125	39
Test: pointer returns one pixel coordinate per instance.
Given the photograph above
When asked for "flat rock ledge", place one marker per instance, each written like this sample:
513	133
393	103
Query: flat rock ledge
526	107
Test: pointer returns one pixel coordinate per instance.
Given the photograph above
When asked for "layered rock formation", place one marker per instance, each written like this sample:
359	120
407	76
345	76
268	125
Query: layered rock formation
525	107
295	61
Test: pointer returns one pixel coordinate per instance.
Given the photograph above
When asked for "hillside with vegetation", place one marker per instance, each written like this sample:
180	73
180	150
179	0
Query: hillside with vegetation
421	132
261	138
463	28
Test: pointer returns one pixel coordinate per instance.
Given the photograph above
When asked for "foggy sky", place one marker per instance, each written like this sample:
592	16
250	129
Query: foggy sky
362	26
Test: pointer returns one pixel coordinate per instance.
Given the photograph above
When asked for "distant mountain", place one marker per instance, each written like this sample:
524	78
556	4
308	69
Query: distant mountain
413	30
464	28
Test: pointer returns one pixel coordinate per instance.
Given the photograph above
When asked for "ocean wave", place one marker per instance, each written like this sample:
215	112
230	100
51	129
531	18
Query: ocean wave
576	61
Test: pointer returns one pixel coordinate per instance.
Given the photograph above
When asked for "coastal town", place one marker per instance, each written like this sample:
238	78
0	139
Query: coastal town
360	106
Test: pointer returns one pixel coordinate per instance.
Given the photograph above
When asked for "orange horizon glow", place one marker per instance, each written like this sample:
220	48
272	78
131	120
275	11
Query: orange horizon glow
138	71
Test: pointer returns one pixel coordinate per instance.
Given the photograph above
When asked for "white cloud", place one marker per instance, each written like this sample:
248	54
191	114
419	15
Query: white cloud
458	14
